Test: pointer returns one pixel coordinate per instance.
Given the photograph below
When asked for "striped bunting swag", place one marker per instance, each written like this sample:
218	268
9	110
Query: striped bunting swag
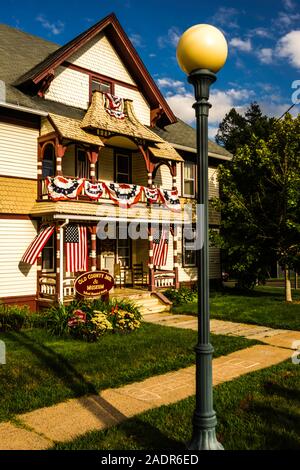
36	246
76	248
160	247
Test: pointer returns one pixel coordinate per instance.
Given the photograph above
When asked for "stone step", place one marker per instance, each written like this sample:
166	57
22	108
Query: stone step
154	310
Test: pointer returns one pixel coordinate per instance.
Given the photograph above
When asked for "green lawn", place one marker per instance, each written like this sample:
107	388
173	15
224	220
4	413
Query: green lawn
264	306
42	370
258	411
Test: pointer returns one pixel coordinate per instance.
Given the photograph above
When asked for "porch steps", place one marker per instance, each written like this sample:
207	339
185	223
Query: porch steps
148	302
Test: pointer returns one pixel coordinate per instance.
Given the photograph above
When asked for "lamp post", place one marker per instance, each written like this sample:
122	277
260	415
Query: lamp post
201	52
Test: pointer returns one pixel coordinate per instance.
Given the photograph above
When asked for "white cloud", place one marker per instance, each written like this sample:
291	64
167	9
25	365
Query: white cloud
170	39
136	40
212	132
55	28
171	85
288	48
181	104
152	55
240	44
260	32
288	4
227	17
265	55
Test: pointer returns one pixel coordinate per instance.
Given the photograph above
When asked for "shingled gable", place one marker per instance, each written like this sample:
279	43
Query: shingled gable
123	46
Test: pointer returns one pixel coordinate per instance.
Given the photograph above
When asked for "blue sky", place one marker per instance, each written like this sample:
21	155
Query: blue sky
263	37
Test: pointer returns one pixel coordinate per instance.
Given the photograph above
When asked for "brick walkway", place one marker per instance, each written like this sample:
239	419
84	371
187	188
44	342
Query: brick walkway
41	428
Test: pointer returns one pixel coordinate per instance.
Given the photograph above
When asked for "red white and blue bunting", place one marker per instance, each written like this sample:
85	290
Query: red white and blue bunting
152	195
114	105
170	199
125	195
60	188
94	190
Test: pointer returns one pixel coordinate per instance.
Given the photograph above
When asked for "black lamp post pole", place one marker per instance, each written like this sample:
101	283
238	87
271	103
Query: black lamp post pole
204	421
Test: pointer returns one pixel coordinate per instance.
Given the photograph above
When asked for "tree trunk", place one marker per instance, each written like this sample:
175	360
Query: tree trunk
287	282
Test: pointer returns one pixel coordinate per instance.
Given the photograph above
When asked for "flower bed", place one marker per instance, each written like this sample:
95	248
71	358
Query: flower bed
89	320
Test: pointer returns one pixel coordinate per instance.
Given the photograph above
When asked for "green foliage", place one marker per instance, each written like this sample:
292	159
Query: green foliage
13	317
260	204
56	320
180	296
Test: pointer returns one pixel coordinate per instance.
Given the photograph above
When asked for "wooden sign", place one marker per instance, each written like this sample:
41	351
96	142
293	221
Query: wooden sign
94	284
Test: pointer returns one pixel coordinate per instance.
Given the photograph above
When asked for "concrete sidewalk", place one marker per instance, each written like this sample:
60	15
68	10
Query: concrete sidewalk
274	337
41	428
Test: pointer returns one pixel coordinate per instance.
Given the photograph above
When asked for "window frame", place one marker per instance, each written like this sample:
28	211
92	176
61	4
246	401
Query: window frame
122	153
95	78
184	263
53	247
192	196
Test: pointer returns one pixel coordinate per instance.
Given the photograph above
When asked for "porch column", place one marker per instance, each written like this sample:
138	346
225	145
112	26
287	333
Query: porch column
60	151
93	248
175	256
174	175
93	158
38	269
150	264
40	172
58	273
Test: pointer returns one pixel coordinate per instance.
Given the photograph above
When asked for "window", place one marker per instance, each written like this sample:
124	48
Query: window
100	85
189	177
48	167
188	248
82	164
48	255
123	168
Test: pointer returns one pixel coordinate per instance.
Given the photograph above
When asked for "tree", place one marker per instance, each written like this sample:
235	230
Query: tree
236	130
260	204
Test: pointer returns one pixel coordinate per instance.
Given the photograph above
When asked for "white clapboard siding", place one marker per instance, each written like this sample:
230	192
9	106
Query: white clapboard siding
69	87
213	183
163	177
106	164
15	236
18	150
141	107
99	56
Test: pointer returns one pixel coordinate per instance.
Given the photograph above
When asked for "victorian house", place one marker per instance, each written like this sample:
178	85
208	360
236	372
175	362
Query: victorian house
88	148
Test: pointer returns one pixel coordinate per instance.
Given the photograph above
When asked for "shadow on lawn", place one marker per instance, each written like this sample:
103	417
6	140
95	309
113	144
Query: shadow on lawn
73	379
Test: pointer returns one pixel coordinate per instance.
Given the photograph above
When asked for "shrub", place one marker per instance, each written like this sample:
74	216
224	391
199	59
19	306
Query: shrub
56	320
13	317
181	296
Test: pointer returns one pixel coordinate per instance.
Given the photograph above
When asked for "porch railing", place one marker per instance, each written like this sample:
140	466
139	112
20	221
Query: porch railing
47	287
164	278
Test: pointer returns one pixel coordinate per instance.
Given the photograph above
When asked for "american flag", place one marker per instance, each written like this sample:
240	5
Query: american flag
160	247
76	248
32	253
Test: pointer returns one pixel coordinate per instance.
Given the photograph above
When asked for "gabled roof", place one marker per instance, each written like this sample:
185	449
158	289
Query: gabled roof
124	48
183	135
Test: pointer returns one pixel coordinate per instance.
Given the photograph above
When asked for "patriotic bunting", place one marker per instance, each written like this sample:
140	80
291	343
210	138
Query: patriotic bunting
60	188
152	195
114	105
35	248
170	199
125	195
94	190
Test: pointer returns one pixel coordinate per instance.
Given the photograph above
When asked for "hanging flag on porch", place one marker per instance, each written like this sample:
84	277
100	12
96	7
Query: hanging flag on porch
36	246
170	199
94	190
160	247
60	188
76	248
114	105
152	195
123	194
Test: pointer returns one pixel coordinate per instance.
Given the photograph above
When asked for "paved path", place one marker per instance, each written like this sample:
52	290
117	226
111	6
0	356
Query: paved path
275	337
41	428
